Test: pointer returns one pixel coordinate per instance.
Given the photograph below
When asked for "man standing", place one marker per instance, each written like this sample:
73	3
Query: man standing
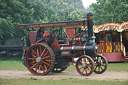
39	34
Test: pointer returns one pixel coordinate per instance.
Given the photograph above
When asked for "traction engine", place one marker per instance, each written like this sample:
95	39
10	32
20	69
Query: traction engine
54	50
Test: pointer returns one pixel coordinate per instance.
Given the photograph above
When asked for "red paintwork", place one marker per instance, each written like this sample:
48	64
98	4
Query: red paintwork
70	32
55	45
32	37
113	56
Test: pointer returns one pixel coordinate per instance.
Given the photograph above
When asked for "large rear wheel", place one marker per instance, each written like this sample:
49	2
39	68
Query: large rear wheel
40	59
85	65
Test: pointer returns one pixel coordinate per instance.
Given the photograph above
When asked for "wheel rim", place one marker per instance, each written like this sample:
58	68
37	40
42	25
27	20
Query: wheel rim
85	65
40	59
100	64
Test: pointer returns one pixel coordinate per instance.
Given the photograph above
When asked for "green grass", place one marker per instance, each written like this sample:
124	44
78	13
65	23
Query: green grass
15	63
11	63
71	81
118	67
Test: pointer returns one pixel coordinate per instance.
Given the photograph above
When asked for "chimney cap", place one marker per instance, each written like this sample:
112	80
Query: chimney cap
89	14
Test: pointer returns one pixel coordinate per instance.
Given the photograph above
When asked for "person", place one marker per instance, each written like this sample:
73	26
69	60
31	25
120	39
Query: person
39	34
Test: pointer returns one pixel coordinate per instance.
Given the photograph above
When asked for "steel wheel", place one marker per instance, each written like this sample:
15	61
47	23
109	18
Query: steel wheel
40	59
100	64
85	65
58	70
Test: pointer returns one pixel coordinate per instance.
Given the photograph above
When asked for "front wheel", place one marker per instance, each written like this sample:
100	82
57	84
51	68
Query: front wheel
85	65
101	64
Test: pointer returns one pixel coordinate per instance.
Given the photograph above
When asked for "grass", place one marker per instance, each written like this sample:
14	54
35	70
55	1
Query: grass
71	81
118	67
15	63
11	63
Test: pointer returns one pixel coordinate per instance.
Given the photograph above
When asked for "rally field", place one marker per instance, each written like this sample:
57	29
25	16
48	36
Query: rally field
12	72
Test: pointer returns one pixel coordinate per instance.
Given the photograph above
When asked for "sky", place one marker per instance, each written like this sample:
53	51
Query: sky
86	3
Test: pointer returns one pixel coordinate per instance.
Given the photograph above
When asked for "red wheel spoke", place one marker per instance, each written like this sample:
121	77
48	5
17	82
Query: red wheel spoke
86	71
31	58
89	69
42	67
46	53
48	60
85	60
83	70
37	50
34	52
46	57
33	62
43	52
80	67
33	55
34	65
46	64
45	67
37	67
40	50
89	65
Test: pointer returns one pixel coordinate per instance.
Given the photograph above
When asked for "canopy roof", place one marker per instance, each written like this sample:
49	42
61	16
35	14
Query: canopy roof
54	24
111	26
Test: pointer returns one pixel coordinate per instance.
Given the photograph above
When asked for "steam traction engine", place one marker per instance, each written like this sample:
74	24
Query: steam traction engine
54	51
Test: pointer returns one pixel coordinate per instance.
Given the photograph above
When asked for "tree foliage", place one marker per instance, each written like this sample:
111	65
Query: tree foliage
15	12
106	11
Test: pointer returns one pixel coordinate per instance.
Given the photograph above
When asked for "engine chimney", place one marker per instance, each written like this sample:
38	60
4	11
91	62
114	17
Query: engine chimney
90	27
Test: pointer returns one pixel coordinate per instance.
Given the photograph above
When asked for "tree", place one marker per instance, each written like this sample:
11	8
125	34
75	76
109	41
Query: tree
106	11
15	12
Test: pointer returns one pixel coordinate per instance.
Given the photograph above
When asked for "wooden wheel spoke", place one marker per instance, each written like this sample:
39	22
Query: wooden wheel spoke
43	52
40	50
34	52
85	60
89	69
33	55
37	67
46	57
31	58
86	71
48	60
46	53
37	50
46	64
89	65
33	62
45	67
83	70
34	65
42	68
80	67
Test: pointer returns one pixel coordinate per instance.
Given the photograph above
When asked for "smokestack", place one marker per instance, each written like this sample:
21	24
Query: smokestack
90	26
